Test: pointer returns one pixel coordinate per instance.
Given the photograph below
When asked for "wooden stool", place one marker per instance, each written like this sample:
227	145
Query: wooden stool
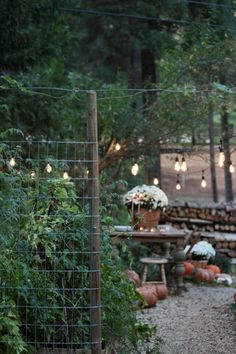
153	260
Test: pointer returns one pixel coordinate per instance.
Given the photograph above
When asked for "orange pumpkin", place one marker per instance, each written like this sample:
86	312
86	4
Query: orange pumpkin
199	274
133	276
208	276
162	291
149	295
214	268
188	268
205	275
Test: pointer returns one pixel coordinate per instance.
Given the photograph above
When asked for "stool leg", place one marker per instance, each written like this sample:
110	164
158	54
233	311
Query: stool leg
163	273
144	276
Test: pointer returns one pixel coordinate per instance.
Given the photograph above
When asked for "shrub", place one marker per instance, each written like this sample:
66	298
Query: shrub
45	269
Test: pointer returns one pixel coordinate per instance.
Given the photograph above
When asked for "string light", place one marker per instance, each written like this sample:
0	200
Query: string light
65	175
183	165
177	164
231	167
178	185
221	158
203	181
156	181
12	162
134	169
117	146
49	168
33	174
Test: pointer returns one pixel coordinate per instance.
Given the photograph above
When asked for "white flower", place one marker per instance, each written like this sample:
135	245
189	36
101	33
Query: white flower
203	249
147	196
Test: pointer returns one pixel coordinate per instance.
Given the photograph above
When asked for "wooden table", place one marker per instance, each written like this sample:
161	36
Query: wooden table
166	236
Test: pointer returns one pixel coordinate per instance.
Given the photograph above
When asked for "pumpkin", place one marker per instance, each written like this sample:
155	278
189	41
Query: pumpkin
149	295
188	268
162	291
208	276
205	275
199	274
133	276
214	268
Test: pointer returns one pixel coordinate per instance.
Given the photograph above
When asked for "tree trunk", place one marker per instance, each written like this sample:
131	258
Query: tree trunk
149	76
212	155
226	148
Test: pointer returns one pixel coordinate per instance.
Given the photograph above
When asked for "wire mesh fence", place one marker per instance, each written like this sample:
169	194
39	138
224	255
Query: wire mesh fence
49	269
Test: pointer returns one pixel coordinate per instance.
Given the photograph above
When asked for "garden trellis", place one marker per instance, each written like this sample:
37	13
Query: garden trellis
49	263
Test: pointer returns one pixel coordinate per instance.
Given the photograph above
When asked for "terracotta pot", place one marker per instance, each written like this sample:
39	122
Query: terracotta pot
199	264
145	219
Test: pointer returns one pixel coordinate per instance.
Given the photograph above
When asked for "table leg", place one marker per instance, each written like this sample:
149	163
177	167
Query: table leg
167	249
179	258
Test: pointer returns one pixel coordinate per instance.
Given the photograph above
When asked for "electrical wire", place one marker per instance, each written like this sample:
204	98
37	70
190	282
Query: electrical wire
140	90
210	4
143	18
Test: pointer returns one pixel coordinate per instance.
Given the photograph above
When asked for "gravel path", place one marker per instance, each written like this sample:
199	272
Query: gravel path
202	321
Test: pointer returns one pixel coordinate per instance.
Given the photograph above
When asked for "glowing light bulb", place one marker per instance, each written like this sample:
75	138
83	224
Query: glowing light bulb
156	181
65	175
12	162
177	164
134	169
183	165
178	186
49	168
221	158
33	174
87	172
117	147
203	182
231	168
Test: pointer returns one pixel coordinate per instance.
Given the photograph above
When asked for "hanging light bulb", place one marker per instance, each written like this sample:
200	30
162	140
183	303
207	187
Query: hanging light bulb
156	181
33	174
178	185
12	162
117	146
183	165
203	181
65	175
221	158
231	167
177	164
134	169
49	168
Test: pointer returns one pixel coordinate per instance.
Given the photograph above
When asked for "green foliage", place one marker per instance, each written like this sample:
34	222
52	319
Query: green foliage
11	338
44	255
222	261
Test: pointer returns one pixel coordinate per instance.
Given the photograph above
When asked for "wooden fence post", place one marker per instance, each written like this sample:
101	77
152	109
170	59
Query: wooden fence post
94	233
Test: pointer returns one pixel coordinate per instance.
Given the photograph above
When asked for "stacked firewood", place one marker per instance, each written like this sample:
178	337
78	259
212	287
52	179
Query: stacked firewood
215	222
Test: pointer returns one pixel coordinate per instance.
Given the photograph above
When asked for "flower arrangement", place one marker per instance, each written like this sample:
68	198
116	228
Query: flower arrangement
202	250
149	197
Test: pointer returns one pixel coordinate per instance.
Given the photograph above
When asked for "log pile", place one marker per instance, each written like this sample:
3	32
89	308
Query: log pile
215	222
